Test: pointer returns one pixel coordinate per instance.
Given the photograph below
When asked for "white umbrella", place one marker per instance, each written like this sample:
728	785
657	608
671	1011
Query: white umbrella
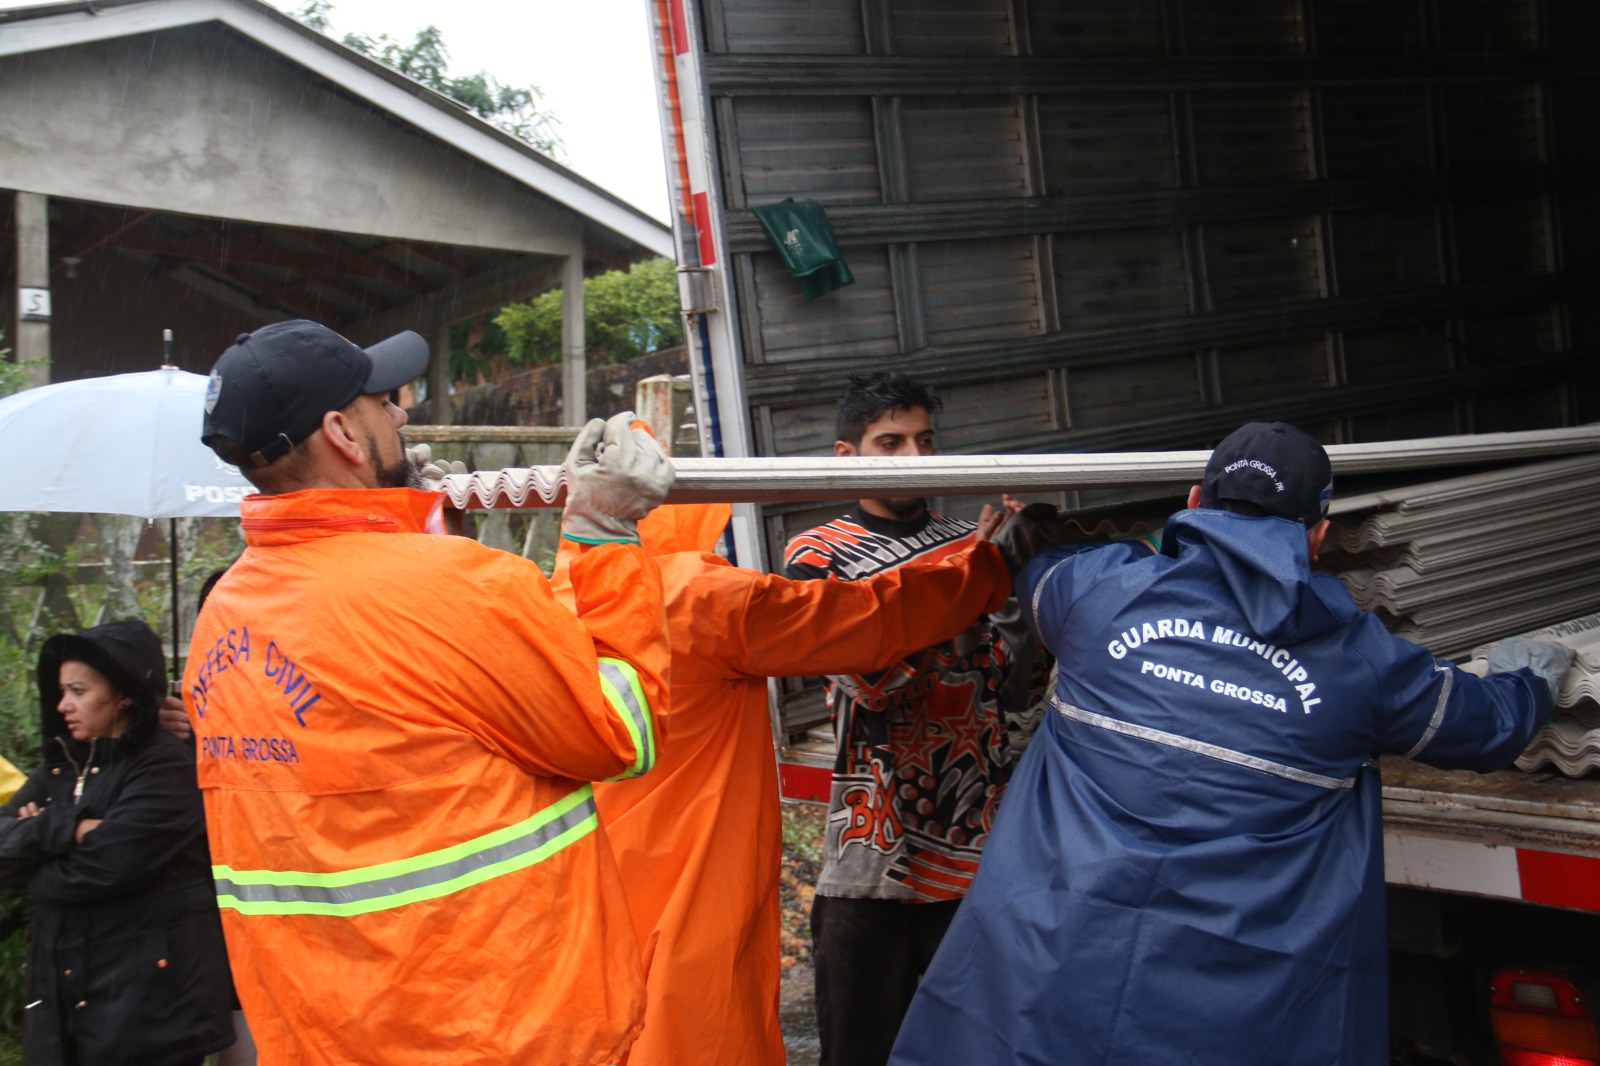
125	444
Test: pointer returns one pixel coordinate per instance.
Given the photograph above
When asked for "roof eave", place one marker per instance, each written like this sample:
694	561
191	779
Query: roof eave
57	25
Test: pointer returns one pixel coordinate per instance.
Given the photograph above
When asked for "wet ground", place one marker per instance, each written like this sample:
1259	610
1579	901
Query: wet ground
796	1016
802	859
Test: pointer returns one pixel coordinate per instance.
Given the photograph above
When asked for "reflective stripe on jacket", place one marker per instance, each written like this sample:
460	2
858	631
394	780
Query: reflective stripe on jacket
1187	865
396	732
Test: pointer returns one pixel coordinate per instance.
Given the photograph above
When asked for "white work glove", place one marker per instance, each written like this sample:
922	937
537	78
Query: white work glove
615	476
432	471
1547	658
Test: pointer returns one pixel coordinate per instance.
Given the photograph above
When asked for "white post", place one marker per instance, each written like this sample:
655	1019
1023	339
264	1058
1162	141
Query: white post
574	372
32	215
440	402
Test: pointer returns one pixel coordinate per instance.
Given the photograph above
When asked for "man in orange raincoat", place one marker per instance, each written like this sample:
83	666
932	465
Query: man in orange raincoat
699	840
397	732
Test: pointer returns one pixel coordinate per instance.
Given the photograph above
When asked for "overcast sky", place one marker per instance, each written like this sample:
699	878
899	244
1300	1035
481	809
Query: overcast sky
590	57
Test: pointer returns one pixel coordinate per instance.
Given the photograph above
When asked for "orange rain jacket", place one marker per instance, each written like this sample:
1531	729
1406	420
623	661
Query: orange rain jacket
395	732
699	840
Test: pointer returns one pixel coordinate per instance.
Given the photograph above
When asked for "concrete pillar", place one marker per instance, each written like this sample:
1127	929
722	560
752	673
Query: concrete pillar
32	345
439	399
574	371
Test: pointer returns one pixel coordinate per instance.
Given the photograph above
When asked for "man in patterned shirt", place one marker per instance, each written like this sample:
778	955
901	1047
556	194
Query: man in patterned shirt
923	746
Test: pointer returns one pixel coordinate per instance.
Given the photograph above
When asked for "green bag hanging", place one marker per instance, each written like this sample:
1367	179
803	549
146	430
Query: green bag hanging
800	231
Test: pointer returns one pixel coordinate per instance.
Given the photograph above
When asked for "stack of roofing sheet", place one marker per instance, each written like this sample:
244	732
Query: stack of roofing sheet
1452	564
1571	742
1460	563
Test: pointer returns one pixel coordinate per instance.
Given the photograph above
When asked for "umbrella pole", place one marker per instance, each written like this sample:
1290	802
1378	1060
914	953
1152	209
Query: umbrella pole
172	545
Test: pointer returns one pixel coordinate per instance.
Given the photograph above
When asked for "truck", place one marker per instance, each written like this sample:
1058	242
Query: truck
1103	225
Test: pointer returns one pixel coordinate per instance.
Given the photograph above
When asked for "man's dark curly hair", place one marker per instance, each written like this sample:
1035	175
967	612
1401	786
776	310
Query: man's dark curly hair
870	396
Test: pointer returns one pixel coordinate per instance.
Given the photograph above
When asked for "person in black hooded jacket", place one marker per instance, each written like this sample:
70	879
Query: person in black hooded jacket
127	963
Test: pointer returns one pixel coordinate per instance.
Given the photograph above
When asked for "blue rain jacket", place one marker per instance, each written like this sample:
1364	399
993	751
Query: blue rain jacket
1187	866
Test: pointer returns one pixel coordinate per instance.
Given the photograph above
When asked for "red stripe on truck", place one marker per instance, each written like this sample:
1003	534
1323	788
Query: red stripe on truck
1559	880
798	782
702	226
680	28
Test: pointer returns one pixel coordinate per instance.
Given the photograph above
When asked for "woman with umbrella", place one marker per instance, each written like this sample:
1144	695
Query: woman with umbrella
127	963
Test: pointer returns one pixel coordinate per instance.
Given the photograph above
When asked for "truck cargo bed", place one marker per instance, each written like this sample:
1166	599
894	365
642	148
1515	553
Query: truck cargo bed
1541	810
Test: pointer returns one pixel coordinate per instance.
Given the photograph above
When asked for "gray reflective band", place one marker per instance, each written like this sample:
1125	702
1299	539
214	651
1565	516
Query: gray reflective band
1438	711
626	684
1199	747
407	881
1038	590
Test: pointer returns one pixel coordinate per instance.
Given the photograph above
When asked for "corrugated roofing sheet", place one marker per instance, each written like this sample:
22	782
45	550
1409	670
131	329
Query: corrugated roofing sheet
1570	744
789	479
1459	563
1454	563
1450	564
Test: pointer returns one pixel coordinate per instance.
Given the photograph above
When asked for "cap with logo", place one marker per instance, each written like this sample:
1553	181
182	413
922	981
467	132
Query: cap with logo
270	389
1276	467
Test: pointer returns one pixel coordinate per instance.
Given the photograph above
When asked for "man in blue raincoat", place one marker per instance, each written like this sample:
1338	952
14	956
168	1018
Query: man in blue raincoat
1187	866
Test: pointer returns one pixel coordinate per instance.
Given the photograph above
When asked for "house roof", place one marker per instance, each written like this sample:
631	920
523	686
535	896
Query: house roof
56	25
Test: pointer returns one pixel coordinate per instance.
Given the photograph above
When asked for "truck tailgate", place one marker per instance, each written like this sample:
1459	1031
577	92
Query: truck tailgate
1530	810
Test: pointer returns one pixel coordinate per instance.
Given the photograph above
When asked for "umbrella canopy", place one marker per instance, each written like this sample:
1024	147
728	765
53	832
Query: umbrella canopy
126	444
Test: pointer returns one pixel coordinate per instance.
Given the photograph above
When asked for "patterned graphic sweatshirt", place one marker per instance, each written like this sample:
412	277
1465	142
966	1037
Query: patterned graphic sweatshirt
926	744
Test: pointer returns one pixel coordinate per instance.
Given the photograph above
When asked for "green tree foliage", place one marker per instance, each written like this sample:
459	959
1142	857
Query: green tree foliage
19	740
513	108
13	376
626	313
21	558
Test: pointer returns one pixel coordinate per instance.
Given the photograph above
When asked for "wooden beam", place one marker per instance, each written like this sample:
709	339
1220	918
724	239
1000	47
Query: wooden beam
288	300
362	298
223	255
444	260
224	293
525	276
343	251
79	251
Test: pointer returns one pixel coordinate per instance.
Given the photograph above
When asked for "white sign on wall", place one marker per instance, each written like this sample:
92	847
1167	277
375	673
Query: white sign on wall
33	305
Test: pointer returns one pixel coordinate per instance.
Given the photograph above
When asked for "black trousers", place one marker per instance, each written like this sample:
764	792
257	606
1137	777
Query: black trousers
869	955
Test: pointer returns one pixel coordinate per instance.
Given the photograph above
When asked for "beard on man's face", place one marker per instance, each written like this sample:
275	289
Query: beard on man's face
402	474
905	506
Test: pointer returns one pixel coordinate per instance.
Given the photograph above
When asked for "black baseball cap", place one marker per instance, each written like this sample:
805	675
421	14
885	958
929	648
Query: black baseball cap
269	391
1275	466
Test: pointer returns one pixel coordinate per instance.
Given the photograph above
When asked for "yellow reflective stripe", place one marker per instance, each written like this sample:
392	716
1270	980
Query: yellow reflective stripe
620	683
429	876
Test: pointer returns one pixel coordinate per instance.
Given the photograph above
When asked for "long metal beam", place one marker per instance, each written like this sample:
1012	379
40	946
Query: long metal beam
796	479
